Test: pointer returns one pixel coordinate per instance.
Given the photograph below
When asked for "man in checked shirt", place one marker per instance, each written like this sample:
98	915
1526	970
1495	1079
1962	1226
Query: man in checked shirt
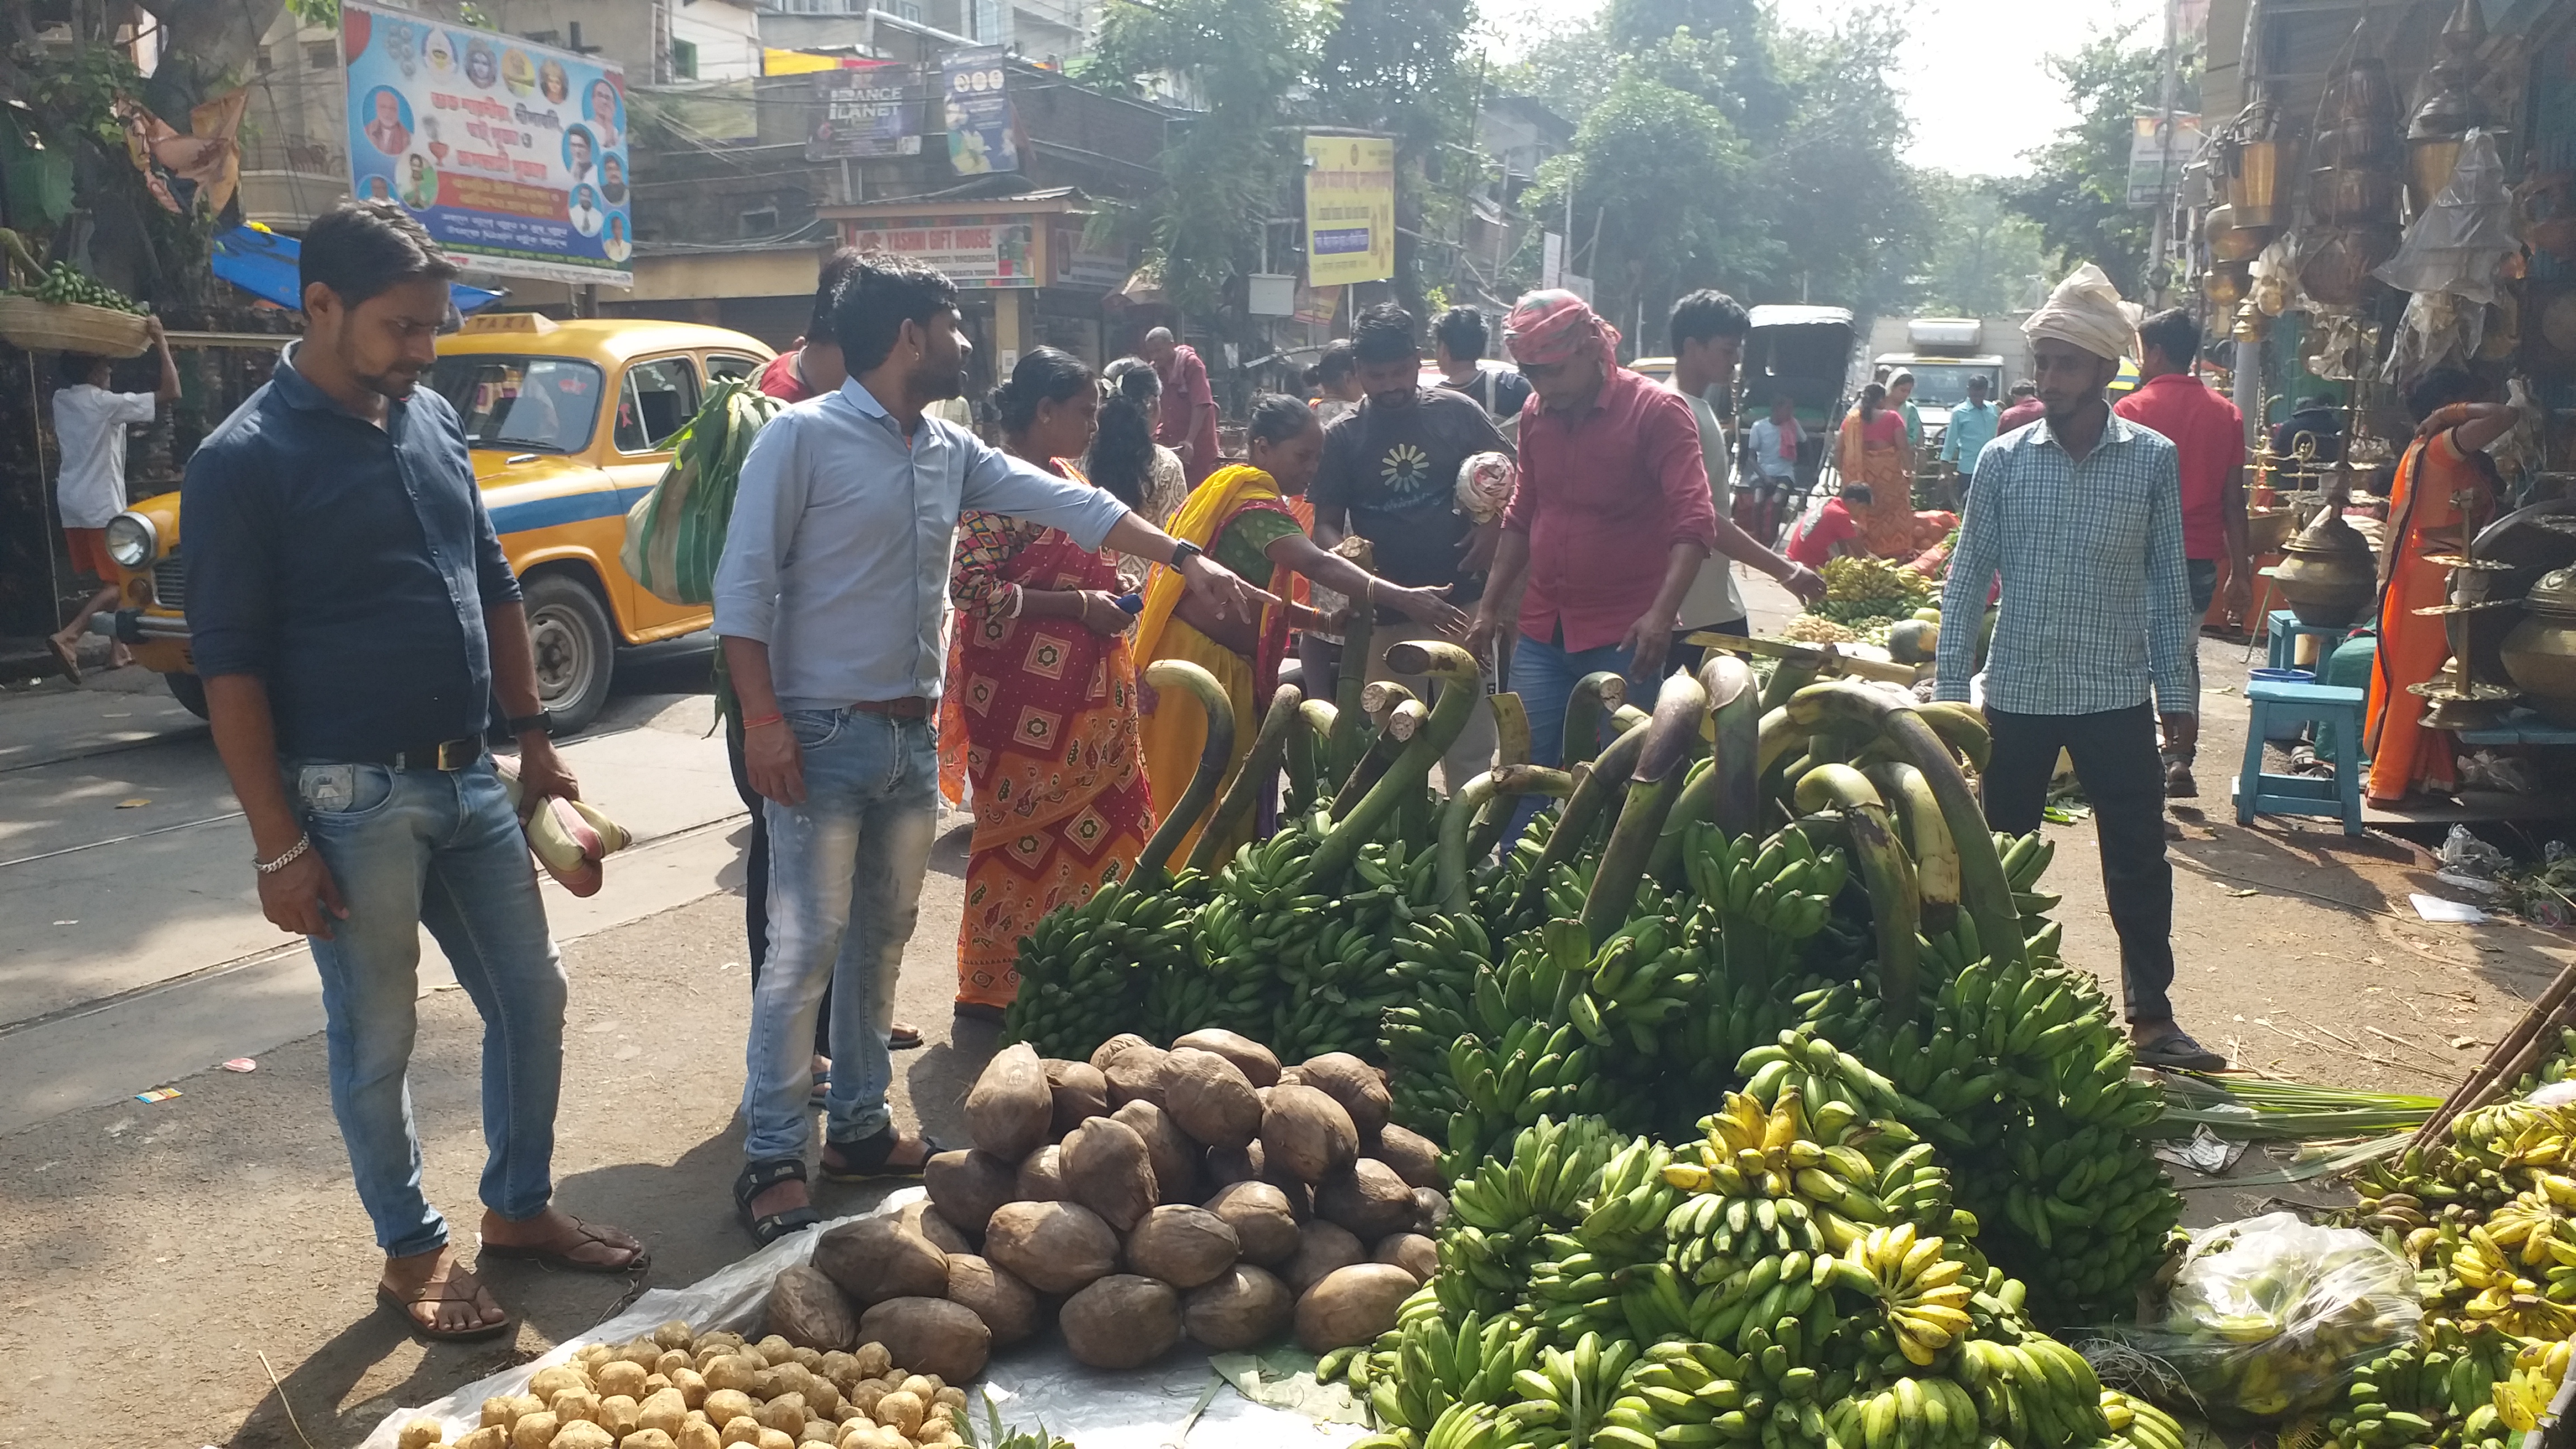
2080	513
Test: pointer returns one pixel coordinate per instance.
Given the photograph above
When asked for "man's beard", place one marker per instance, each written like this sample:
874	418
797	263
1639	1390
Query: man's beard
397	386
931	383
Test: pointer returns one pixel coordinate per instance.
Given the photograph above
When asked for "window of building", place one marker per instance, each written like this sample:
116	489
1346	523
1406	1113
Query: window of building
684	60
760	223
321	54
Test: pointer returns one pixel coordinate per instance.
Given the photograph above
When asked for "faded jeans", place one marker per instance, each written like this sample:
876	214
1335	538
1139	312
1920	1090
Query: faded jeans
1544	673
421	848
845	873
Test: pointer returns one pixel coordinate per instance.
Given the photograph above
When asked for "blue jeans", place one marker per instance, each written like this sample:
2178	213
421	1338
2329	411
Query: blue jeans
423	848
845	874
1544	674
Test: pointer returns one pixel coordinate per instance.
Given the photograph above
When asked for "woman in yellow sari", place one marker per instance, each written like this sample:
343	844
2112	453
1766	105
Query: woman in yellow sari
1874	452
1243	517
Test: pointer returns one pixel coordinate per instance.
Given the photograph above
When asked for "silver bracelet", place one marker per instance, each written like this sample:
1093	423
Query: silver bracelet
293	853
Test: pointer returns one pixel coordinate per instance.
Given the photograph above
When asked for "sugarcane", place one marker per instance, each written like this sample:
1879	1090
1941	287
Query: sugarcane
1252	779
1214	758
1894	905
1653	785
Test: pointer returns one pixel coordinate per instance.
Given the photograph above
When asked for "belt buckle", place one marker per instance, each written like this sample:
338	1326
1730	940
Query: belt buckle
453	755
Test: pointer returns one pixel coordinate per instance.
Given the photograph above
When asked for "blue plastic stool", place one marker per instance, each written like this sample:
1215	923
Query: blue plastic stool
2275	703
2282	631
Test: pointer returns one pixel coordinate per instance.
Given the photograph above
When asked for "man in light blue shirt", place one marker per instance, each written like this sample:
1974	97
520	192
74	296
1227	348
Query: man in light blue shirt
2080	514
1971	427
829	601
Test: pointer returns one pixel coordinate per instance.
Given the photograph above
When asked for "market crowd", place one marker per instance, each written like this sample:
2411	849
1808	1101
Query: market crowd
903	605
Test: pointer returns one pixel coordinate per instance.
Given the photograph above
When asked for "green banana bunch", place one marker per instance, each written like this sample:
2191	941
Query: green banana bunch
1087	971
1501	1210
1431	1360
63	283
1563	1398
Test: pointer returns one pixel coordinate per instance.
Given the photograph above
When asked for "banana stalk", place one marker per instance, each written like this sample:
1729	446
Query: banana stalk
1381	698
1680	705
1627	717
1983	887
1736	711
1384	747
1214	757
1351	719
1461	690
1962	728
1511	729
1310	750
1595	696
1895	907
1252	780
1463	843
1799	665
1592	793
1927	835
1697	799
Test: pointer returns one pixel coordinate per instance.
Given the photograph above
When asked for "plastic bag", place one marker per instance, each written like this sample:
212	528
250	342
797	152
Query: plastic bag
2464	854
2266	1319
1485	483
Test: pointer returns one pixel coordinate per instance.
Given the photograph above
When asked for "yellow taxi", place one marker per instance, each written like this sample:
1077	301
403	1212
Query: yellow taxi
570	424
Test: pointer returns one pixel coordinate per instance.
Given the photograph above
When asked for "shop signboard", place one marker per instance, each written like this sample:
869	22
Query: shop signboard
983	130
859	111
513	155
1072	264
975	251
1350	209
2157	155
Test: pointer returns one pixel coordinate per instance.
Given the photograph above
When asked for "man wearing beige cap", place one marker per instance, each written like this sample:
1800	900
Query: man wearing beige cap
2080	515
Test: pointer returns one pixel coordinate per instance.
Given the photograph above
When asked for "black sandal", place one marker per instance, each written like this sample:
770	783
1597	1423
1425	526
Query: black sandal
866	1159
760	1177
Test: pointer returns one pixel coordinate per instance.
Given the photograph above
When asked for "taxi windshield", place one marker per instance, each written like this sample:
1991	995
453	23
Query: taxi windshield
527	404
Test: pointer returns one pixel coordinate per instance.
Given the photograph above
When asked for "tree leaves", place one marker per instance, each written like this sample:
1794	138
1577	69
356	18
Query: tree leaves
2078	191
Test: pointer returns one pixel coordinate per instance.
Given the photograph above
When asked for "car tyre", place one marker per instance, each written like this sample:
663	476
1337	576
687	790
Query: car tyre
574	648
189	690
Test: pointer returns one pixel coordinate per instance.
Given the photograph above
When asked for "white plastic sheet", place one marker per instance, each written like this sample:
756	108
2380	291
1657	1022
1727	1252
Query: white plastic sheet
1033	1383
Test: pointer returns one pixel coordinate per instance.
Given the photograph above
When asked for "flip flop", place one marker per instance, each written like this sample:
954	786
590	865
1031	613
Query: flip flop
64	658
2176	1049
401	1308
556	1259
903	1038
866	1159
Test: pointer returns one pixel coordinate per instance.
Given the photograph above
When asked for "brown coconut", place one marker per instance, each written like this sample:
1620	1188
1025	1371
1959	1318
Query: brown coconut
1353	1083
1080	1091
1010	1106
1263	1226
1138	1074
967	1186
1108	1051
809	1310
1367	1198
1351	1305
1107	1170
1211	1099
873	1259
1430	1209
1054	1247
1244	1307
1226	1166
1121	1322
930	1336
1008	1306
1412	1252
1414	1157
1322	1248
920	1217
1307	1134
1254	1060
1041	1177
1183	1246
1175	1155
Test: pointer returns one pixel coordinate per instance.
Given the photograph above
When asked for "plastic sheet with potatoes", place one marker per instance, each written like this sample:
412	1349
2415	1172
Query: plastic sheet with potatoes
1035	1383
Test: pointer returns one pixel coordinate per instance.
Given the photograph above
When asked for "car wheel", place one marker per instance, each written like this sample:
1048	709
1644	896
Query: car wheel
569	635
189	690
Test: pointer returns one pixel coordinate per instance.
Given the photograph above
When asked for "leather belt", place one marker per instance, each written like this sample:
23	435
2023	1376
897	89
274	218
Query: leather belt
911	706
447	756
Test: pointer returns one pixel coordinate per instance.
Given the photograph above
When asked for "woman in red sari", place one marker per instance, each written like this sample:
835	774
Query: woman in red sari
1041	696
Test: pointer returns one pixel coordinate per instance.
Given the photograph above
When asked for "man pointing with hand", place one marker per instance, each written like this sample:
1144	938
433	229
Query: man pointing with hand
829	600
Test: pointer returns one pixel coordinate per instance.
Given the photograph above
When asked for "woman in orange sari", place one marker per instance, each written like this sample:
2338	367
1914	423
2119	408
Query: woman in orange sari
2445	492
1874	451
1245	517
1041	698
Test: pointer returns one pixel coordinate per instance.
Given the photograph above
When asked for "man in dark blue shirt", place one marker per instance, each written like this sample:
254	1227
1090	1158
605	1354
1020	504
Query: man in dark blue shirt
352	616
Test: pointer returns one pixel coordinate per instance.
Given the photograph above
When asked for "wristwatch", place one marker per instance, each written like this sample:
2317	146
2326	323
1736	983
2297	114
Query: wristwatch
543	719
1183	552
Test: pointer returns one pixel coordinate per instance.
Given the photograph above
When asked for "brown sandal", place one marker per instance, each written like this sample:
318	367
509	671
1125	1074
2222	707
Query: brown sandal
640	1257
444	1290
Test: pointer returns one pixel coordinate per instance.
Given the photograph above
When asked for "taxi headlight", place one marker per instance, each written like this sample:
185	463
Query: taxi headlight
131	540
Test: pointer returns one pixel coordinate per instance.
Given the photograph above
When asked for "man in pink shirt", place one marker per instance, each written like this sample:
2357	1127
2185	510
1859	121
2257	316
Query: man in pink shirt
1612	485
2208	434
1188	422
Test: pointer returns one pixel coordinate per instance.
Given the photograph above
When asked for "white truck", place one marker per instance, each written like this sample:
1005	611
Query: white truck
1943	353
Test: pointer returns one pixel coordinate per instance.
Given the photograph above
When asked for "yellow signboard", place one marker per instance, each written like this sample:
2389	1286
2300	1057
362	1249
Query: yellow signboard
1350	210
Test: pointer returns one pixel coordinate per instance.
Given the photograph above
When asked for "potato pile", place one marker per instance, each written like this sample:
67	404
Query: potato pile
678	1390
1147	1195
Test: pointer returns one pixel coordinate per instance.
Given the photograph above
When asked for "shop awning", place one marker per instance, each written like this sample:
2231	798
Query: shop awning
263	264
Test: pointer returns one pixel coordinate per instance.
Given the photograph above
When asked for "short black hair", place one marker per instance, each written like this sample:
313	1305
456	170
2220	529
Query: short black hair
1979	382
2173	333
880	295
1704	314
836	270
1383	333
1855	491
1277	418
1339	361
1042	375
73	368
361	249
2439	389
2315	402
1462	331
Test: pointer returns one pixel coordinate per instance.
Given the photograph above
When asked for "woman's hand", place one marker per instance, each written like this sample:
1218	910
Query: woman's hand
1099	613
1431	609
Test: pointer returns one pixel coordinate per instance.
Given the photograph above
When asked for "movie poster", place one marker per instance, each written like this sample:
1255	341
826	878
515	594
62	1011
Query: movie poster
512	154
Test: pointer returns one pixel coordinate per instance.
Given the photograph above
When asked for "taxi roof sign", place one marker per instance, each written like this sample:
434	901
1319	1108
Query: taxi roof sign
508	322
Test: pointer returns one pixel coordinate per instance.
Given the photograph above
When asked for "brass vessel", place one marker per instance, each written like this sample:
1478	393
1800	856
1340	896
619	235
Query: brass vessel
2327	574
2353	194
2229	242
2254	185
2226	284
2540	653
2335	266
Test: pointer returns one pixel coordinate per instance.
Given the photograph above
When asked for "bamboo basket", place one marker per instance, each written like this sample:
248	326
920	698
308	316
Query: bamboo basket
72	327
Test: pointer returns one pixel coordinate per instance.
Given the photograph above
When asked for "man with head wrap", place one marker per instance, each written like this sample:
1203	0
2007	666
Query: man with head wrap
2080	514
1612	479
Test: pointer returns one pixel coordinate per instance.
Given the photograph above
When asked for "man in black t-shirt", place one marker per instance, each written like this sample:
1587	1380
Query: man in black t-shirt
1458	345
1390	474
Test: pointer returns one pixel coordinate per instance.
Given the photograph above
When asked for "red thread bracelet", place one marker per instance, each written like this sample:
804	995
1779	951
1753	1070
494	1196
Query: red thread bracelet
764	722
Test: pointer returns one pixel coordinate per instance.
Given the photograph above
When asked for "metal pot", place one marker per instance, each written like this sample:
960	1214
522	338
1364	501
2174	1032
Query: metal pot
2229	242
2351	142
2363	93
2540	653
2226	284
2335	266
2327	574
2254	184
2353	195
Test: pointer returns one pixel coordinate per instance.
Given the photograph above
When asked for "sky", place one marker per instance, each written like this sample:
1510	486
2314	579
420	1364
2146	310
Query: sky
1977	87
